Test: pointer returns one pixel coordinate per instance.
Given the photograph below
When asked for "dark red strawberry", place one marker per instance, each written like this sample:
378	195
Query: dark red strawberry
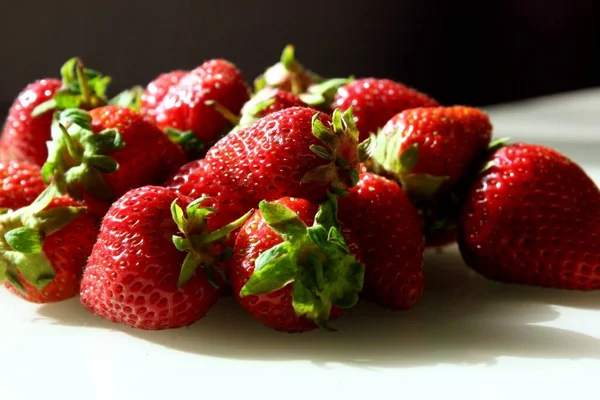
184	107
27	128
533	217
292	274
21	183
44	247
154	261
375	101
140	154
294	152
390	238
156	91
265	102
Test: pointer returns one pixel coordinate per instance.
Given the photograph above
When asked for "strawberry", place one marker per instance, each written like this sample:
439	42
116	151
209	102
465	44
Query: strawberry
44	247
140	154
27	127
375	101
265	102
290	275
390	238
533	217
21	183
156	91
184	108
293	152
155	264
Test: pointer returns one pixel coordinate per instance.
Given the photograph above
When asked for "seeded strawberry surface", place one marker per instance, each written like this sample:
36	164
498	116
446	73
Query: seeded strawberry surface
533	218
21	183
156	91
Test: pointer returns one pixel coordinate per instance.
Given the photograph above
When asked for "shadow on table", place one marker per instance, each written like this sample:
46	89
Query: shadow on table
462	319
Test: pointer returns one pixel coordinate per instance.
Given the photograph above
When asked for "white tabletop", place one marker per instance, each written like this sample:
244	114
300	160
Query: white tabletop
469	338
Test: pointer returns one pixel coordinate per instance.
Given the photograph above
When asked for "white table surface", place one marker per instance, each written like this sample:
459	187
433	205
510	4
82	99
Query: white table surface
469	338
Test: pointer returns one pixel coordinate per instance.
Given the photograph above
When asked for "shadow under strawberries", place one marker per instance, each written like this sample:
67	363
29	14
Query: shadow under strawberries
463	319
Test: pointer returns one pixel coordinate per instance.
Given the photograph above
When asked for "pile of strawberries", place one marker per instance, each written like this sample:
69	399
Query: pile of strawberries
299	196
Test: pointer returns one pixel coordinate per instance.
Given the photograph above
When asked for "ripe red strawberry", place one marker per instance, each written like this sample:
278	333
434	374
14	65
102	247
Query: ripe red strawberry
533	217
390	238
293	152
184	107
140	154
27	128
156	91
265	102
21	183
44	247
375	101
292	274
154	261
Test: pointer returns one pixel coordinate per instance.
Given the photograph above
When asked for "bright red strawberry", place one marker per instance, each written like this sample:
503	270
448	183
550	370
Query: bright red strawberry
291	274
140	154
390	238
533	217
375	101
21	183
154	261
27	127
294	152
156	91
185	108
44	248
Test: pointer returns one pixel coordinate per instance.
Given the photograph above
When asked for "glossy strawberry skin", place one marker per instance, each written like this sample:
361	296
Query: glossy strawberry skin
148	156
390	238
449	138
184	108
265	161
533	218
282	100
67	250
274	309
131	276
21	183
375	101
156	91
24	137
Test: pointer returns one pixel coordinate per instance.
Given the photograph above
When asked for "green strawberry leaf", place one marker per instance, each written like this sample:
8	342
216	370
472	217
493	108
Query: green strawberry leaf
25	239
54	219
282	220
35	268
13	279
274	270
130	98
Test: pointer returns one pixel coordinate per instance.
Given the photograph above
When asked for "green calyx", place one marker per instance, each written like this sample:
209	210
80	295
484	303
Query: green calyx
253	108
78	157
187	140
22	234
196	239
492	148
322	94
387	159
341	150
81	88
315	260
130	98
288	71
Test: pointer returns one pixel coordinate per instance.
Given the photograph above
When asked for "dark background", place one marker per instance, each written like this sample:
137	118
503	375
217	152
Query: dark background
469	52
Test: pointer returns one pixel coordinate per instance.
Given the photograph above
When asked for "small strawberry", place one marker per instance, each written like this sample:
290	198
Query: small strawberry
184	108
390	238
21	183
533	217
290	275
375	101
44	247
155	264
27	127
79	161
156	91
293	152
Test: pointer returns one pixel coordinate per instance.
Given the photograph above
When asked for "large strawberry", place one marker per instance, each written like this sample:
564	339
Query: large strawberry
375	101
100	155
27	128
21	183
156	91
533	217
184	108
156	262
295	152
390	239
44	247
292	268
